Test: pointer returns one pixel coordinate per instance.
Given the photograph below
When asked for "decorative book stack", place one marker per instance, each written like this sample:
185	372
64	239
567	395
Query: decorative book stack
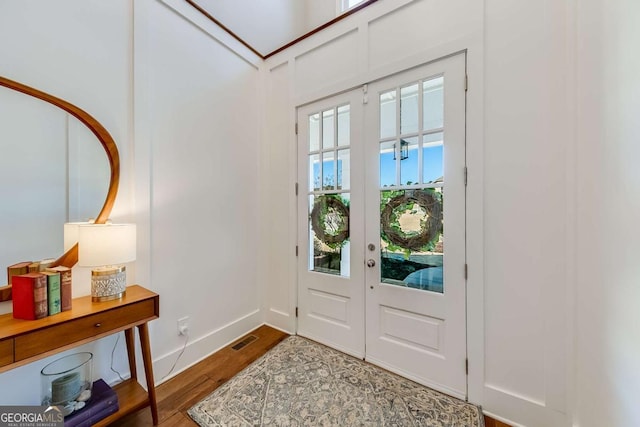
103	402
30	300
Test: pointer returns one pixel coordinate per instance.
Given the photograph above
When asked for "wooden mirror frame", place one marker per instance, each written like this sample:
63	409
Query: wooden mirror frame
70	258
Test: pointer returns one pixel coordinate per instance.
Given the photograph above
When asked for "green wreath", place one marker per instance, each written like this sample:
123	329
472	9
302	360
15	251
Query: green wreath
330	220
430	229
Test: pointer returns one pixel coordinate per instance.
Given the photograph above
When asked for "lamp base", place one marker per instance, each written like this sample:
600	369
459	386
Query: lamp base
108	283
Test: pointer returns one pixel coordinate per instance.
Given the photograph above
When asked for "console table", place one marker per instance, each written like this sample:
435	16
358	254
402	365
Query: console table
24	341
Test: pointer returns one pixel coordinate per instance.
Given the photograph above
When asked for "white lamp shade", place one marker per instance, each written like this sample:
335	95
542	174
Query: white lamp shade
71	234
106	244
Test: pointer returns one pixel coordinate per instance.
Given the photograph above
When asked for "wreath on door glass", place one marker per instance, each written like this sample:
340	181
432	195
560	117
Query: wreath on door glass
330	220
430	227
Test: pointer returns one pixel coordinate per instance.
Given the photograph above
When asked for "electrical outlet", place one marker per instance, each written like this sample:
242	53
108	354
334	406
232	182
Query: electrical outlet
183	325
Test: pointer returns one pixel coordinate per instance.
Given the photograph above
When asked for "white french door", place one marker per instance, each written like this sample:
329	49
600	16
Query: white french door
415	222
381	272
330	195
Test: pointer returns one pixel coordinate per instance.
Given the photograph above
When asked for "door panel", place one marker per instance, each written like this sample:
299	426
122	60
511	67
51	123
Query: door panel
330	280
415	302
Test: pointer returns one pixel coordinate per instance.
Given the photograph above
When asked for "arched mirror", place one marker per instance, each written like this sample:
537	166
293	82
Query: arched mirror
53	170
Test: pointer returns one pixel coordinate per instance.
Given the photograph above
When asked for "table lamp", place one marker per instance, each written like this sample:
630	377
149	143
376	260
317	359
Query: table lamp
71	233
105	247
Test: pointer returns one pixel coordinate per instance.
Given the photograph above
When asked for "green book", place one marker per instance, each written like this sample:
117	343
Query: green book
53	291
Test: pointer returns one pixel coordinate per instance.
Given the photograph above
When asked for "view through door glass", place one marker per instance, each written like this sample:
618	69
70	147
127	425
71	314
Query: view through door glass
411	185
329	191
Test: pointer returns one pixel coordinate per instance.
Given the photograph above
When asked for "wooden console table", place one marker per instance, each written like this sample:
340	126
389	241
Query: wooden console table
24	341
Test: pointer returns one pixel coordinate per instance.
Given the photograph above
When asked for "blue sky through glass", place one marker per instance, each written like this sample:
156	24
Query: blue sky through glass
432	165
327	165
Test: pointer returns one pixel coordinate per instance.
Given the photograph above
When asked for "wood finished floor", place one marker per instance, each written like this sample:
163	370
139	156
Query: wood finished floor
177	395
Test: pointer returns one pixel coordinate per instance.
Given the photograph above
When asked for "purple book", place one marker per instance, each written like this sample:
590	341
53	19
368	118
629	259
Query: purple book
98	416
103	399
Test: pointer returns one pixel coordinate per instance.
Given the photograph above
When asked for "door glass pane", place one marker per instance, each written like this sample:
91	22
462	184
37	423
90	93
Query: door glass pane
328	130
432	157
412	155
328	168
344	169
314	132
314	172
344	120
411	238
433	103
329	234
387	164
329	176
388	114
409	172
409	109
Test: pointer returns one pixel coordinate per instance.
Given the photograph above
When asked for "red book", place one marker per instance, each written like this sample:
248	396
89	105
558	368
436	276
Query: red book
30	296
65	286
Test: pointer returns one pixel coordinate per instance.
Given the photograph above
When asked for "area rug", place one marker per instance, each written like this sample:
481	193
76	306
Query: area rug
302	383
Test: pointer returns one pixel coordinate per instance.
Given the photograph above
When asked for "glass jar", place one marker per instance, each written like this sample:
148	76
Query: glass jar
67	382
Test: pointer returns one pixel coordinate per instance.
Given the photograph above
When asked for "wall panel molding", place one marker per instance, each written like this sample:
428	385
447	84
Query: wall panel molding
186	11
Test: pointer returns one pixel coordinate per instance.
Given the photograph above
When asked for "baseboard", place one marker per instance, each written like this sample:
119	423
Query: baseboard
279	328
280	320
204	346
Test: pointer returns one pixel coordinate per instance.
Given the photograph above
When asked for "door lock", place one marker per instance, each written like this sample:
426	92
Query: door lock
371	247
371	263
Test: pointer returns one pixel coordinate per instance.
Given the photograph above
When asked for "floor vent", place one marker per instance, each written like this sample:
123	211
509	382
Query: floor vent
245	342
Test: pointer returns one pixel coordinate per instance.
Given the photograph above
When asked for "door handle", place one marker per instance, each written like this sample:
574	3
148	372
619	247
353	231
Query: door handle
371	263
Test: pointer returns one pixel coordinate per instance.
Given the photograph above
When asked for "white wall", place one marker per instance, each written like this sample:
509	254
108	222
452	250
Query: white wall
527	132
519	136
317	12
267	25
201	213
264	24
608	237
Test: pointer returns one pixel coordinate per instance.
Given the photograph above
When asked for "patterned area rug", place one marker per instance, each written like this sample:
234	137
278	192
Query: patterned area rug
302	383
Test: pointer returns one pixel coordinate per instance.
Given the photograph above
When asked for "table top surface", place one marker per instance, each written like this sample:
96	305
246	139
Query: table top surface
82	306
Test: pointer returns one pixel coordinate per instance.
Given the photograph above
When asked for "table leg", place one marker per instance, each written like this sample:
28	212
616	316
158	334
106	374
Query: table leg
143	330
129	335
